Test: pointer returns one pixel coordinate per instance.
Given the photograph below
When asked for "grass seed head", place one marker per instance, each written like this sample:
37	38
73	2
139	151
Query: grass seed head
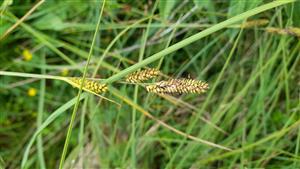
294	31
142	75
179	86
253	23
89	85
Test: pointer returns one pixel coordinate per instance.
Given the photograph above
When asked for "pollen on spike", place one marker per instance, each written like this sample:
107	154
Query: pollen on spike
180	86
142	75
89	85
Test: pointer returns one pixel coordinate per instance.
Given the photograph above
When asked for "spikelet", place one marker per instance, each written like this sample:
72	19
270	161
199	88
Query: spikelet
89	85
142	75
178	86
294	31
253	23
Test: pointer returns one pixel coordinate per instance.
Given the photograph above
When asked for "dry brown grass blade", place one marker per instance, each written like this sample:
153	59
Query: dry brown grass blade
137	107
22	19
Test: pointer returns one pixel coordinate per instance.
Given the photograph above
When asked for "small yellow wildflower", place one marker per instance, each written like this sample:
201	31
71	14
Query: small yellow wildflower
27	55
32	92
64	72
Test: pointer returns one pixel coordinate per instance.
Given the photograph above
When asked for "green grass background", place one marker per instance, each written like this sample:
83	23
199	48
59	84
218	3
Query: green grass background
254	95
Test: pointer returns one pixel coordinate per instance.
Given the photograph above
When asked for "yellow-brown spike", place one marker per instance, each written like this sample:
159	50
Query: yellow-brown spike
253	23
178	86
142	75
89	85
294	31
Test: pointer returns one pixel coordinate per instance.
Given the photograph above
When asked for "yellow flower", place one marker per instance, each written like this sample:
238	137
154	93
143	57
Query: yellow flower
64	72
32	92
27	55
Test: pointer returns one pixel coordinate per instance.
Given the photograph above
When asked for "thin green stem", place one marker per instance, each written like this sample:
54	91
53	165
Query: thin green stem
79	93
19	74
39	120
113	42
81	131
135	97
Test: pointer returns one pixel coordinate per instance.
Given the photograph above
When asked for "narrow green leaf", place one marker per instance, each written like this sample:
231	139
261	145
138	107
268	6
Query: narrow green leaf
165	7
46	123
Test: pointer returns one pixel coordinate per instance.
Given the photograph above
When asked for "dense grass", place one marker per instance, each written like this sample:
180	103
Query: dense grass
249	118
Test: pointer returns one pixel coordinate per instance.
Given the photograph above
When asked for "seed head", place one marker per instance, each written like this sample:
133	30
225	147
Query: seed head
294	31
142	75
253	23
89	85
178	86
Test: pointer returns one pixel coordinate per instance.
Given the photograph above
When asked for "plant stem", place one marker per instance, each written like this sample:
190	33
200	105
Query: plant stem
39	76
62	160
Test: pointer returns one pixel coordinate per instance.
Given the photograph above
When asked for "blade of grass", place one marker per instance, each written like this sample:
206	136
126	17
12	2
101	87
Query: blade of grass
43	40
242	92
135	95
39	76
81	131
196	37
114	41
21	20
39	122
70	128
274	135
46	123
144	112
211	91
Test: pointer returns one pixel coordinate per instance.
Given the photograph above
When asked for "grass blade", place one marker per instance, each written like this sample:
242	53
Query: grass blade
196	37
46	123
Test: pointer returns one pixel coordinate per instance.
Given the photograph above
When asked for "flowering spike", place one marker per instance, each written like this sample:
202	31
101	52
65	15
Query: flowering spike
178	86
142	75
294	31
89	85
